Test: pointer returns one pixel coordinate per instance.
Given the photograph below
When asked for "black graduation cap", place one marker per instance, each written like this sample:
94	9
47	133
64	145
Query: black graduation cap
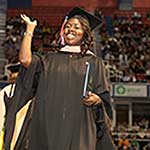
13	68
93	20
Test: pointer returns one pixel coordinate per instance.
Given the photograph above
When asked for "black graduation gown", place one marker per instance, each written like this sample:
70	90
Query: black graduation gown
60	120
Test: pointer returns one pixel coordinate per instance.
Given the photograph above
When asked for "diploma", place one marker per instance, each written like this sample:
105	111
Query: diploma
86	79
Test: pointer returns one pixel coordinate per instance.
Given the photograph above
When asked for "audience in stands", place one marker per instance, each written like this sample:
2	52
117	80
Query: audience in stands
123	143
128	48
133	138
126	54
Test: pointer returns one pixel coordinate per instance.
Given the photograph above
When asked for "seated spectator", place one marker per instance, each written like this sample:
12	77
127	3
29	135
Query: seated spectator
146	147
148	71
135	144
123	60
126	76
123	143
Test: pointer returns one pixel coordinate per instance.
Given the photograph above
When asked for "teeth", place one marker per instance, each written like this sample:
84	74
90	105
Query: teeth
70	36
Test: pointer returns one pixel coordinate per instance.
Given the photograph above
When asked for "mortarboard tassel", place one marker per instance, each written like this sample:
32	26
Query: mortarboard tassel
62	31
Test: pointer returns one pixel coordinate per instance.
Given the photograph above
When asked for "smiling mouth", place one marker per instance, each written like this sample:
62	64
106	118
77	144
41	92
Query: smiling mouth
70	36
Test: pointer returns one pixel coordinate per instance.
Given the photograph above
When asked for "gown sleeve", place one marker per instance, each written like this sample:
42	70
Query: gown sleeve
100	87
27	81
102	112
26	84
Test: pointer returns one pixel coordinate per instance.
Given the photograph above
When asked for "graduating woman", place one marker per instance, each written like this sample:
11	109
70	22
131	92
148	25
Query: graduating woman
69	89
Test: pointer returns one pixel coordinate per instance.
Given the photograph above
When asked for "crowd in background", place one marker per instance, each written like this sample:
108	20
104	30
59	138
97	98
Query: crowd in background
133	138
125	49
125	46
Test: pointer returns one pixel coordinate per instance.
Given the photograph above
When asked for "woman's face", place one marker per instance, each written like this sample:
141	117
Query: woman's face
73	32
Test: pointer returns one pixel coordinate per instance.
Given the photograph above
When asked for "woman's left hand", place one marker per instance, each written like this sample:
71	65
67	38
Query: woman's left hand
92	99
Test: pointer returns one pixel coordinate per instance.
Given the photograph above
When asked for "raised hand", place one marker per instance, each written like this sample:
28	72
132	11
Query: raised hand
30	24
27	20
